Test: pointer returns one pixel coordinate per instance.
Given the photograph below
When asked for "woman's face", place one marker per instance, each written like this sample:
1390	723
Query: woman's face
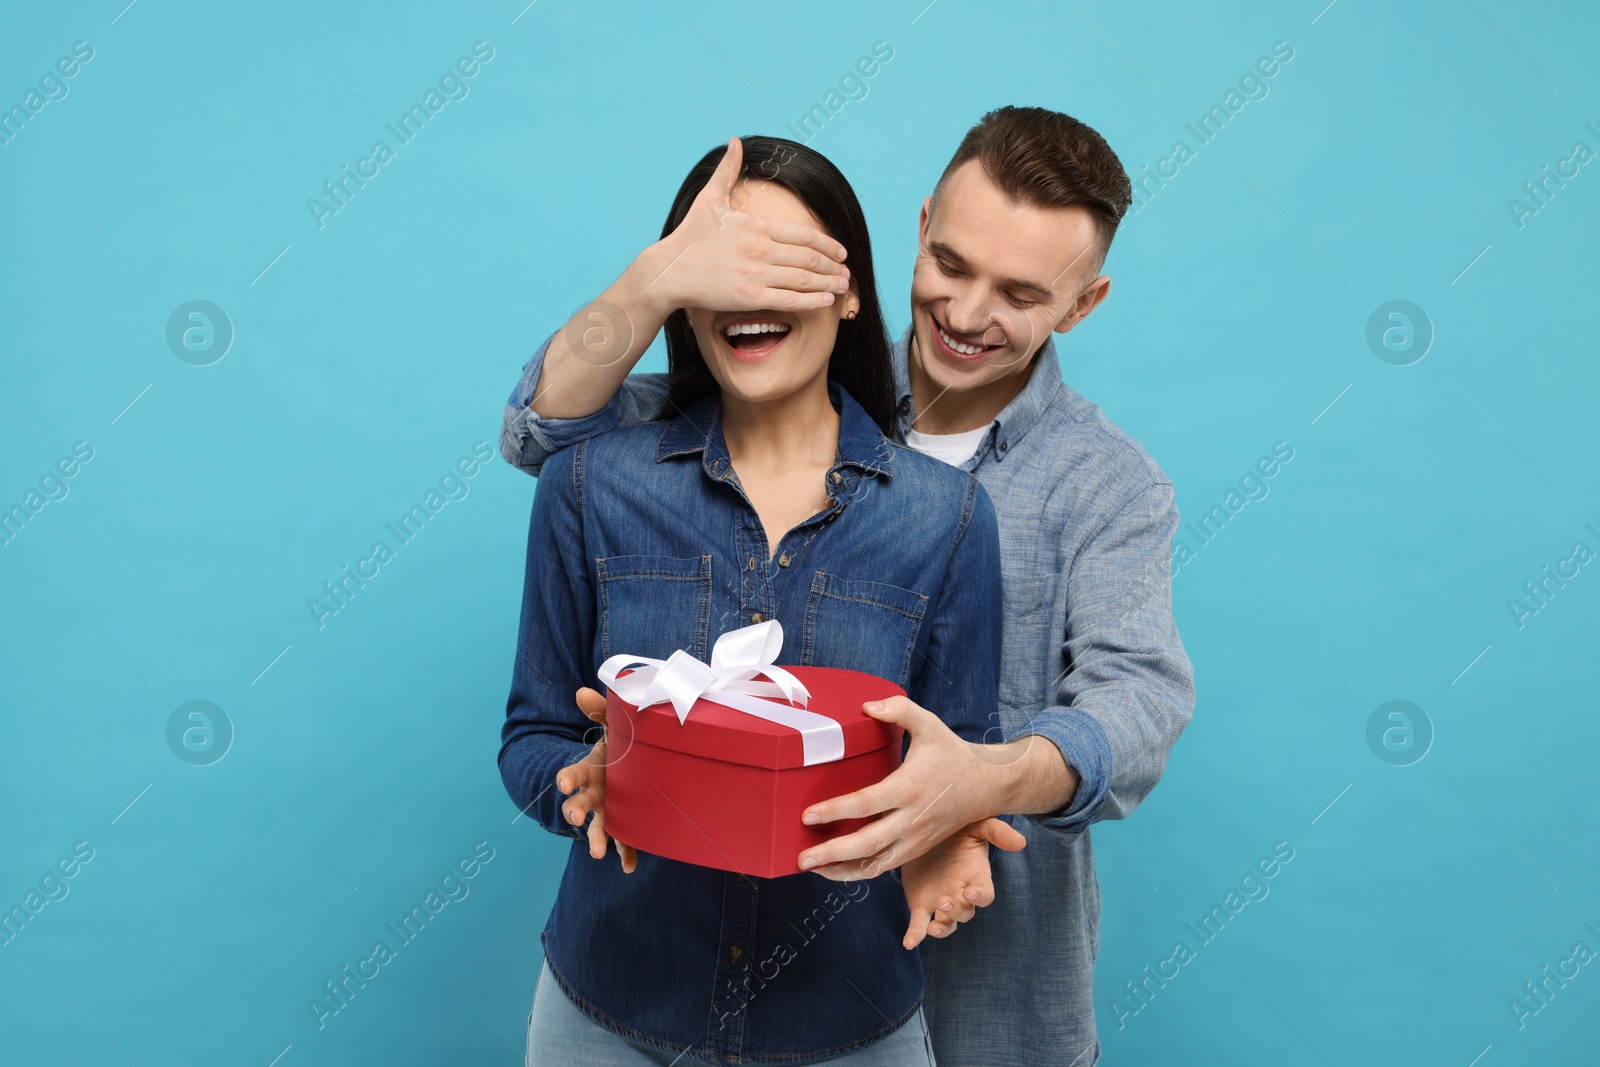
765	355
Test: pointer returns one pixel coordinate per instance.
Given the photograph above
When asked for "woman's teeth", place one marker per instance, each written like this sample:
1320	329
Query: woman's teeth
755	327
957	346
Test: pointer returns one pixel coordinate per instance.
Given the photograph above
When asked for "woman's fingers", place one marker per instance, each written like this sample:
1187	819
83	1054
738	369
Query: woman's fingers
593	704
586	782
583	773
597	835
1001	834
575	808
957	911
629	857
918	928
954	911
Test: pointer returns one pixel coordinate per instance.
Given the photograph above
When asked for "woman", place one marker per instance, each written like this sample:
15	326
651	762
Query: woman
771	492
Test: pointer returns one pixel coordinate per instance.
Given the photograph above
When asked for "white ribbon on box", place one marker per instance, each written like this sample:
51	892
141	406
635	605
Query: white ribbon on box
730	679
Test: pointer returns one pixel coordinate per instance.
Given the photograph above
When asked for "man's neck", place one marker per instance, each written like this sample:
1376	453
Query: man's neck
942	411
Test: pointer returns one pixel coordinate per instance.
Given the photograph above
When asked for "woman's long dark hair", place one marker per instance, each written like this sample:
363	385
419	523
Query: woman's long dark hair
860	360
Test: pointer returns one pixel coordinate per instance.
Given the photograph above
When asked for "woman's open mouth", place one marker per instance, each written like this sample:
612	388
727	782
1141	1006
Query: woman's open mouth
752	339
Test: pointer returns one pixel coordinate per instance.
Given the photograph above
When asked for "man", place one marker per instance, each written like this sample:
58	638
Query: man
1095	684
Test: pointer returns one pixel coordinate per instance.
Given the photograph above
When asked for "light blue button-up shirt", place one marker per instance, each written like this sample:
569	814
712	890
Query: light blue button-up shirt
1092	661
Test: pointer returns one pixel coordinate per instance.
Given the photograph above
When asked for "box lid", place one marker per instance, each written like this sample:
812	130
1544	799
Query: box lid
718	732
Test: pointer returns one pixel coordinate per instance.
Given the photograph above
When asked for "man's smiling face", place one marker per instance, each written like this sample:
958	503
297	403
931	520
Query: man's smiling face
994	278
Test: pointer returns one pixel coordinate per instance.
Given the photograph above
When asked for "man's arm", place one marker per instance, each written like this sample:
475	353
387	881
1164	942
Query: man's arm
1128	691
1096	753
526	440
946	784
722	256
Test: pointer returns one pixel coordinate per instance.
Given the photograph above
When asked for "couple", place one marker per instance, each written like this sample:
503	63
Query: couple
945	513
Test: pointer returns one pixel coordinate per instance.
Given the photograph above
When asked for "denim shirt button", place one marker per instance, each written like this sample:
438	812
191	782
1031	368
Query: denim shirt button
783	560
1004	445
836	477
756	616
734	952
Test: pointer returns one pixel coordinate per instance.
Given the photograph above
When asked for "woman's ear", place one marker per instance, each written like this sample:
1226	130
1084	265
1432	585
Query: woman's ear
850	306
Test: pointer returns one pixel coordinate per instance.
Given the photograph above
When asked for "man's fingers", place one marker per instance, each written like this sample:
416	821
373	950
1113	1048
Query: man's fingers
592	704
833	273
717	195
905	712
719	189
878	836
797	233
789	300
845	872
629	857
799	279
871	800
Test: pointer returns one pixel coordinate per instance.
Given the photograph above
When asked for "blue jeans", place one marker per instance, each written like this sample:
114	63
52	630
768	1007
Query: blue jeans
561	1035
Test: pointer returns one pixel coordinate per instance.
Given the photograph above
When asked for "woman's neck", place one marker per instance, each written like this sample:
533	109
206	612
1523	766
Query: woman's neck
797	430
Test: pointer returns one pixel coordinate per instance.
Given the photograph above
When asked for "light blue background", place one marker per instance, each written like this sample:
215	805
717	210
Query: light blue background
377	350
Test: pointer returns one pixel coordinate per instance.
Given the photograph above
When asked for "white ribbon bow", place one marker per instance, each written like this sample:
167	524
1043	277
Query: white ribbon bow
736	659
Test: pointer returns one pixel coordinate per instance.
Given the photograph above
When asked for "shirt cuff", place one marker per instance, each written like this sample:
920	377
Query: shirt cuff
1085	748
552	435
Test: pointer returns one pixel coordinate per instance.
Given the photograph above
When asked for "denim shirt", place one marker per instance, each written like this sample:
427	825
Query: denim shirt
1092	661
642	541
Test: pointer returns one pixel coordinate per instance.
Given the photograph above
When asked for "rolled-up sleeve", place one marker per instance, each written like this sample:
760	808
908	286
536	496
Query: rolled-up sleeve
1128	690
526	440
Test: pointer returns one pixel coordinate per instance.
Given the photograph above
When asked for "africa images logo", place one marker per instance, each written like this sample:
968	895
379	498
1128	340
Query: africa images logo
452	86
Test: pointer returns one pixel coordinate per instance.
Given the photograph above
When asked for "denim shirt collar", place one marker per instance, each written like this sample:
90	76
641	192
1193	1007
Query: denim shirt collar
1014	420
699	429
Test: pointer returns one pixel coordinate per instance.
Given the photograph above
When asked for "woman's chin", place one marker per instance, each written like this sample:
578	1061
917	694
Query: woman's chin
758	383
751	393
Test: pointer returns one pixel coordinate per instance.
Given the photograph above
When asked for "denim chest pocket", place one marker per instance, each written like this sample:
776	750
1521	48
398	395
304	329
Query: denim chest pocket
1028	582
654	605
862	626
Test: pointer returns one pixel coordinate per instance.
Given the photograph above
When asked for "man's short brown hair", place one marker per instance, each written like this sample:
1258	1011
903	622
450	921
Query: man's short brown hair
1044	158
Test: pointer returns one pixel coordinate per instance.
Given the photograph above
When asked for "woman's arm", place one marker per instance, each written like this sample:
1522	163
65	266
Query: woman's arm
544	731
959	676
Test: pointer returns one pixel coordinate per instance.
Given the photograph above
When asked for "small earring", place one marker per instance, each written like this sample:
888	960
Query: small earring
849	314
